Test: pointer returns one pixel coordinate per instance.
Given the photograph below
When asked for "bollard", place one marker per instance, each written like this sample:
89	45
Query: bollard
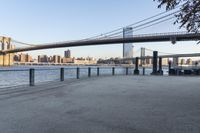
143	71
89	71
62	71
113	71
136	71
77	72
155	61
127	71
32	77
97	71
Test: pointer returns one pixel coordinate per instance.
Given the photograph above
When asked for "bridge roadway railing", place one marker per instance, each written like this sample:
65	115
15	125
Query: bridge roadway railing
149	35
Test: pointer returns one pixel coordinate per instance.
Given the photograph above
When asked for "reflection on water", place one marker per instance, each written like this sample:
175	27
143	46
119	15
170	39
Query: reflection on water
15	76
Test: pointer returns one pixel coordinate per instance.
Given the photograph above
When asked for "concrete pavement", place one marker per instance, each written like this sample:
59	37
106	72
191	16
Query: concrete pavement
117	104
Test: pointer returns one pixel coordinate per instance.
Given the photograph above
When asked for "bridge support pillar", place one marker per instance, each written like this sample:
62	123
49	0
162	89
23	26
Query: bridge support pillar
6	59
160	71
155	61
136	71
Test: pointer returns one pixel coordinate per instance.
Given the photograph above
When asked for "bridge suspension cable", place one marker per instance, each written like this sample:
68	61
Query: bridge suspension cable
139	22
22	43
145	27
118	31
160	52
147	23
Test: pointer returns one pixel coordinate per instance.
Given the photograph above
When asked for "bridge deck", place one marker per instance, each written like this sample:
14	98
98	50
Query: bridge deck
121	104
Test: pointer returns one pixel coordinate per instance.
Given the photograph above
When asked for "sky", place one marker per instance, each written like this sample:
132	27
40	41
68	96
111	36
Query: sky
44	21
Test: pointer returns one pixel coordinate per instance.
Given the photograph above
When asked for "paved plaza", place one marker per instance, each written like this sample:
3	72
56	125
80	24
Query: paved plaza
113	104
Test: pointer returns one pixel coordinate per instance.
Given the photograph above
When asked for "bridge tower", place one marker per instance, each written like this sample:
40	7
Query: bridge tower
5	44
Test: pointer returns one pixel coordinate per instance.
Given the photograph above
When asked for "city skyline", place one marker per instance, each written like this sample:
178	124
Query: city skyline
72	20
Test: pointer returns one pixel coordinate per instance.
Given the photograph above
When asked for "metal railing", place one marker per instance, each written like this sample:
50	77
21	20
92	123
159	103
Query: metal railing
32	76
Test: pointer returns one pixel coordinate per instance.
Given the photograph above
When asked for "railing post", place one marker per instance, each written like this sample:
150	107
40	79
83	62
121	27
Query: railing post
89	71
126	70
113	71
143	71
77	72
170	68
160	66
97	71
32	77
62	71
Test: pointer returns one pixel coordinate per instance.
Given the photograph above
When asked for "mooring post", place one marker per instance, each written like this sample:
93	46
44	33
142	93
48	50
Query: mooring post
113	71
32	77
155	61
62	74
77	72
136	71
89	71
126	70
143	71
97	71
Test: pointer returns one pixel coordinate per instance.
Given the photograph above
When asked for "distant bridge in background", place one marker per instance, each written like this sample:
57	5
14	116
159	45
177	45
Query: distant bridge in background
157	37
6	55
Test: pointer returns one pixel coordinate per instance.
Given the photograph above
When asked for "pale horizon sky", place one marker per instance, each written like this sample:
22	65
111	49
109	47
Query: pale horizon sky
43	21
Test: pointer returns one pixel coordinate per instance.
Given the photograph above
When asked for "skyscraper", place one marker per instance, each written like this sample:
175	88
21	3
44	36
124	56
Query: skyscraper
127	47
67	54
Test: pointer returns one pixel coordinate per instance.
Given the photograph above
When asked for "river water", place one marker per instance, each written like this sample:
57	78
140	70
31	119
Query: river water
15	76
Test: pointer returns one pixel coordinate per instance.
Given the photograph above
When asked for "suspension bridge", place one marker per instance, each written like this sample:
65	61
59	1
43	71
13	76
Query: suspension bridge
9	47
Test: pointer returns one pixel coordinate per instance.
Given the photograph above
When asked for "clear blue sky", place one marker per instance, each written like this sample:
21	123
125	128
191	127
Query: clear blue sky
40	21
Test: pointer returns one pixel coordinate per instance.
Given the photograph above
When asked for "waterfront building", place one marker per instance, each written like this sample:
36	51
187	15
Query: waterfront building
83	61
165	61
43	58
56	59
182	62
16	58
67	54
149	61
67	60
189	61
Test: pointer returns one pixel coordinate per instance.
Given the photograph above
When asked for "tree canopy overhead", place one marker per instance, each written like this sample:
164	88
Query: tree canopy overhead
189	16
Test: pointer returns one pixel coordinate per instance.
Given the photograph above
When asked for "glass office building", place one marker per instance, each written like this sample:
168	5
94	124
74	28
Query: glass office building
127	47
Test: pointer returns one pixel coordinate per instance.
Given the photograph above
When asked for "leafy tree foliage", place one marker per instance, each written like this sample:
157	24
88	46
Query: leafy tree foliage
189	16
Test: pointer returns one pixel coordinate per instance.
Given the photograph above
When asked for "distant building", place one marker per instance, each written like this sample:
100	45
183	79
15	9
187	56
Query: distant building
22	58
67	54
67	60
148	60
83	61
189	61
43	58
165	61
182	62
16	58
56	59
127	47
